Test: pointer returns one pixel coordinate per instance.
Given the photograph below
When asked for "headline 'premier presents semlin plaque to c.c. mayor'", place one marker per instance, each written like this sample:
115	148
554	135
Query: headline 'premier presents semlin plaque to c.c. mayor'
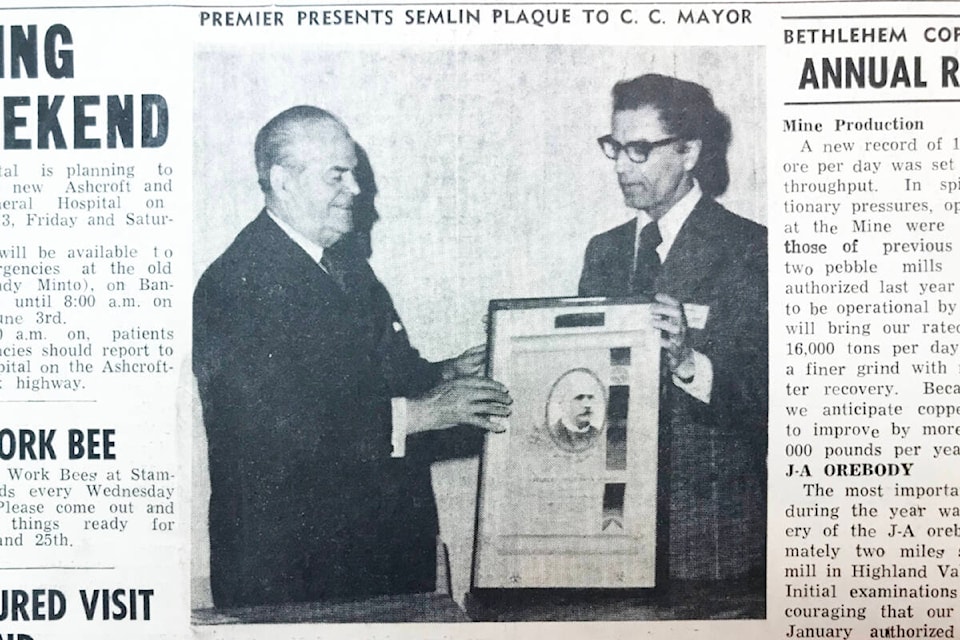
568	499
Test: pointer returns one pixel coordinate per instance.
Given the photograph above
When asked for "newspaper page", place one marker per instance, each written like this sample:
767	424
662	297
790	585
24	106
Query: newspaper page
247	257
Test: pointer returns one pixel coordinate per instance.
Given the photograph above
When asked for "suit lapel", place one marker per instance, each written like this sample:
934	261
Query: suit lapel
296	284
283	256
695	256
619	259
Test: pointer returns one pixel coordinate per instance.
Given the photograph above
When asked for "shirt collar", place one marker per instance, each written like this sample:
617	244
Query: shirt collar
313	249
671	222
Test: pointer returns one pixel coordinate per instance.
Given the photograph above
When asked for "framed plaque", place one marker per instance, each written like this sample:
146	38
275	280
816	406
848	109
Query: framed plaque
568	495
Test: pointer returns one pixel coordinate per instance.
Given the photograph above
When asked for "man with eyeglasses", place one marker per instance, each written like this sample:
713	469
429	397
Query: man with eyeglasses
705	271
311	393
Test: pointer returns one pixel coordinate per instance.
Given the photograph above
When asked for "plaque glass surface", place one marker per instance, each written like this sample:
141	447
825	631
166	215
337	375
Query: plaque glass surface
568	495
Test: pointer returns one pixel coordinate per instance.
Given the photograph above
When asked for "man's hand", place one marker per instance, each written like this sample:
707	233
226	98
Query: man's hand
469	363
466	400
669	318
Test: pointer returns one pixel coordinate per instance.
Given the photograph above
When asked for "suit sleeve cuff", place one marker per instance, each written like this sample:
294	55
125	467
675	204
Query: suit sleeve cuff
702	382
398	434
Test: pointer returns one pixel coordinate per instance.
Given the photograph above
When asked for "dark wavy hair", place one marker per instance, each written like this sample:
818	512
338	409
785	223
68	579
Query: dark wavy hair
686	111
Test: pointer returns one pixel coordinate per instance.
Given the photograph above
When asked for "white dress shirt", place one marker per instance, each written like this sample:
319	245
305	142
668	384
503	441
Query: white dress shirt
313	249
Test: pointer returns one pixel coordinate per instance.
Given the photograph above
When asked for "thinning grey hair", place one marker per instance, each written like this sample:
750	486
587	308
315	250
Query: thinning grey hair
276	136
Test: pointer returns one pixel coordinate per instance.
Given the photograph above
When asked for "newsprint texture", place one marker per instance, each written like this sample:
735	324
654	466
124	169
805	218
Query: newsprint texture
479	320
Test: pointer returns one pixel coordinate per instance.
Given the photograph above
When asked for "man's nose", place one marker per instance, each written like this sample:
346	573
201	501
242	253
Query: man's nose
623	163
350	183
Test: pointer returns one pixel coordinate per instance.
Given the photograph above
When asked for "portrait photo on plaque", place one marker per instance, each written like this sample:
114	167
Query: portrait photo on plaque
569	498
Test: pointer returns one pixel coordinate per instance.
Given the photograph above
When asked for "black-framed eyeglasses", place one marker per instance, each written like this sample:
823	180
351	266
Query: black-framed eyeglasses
638	150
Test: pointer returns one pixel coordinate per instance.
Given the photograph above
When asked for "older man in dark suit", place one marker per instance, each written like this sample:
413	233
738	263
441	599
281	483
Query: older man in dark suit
311	394
705	270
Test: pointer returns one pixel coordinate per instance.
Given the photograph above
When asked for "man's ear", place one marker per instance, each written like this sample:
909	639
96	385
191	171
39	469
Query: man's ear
278	180
691	154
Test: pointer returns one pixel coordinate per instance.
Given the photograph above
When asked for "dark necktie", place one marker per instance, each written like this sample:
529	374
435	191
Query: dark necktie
334	270
349	272
372	314
354	278
648	262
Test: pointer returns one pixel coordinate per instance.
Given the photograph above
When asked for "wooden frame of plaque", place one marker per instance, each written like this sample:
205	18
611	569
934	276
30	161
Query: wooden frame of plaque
569	497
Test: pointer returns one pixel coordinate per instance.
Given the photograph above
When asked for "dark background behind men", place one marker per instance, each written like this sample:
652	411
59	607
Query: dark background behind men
490	181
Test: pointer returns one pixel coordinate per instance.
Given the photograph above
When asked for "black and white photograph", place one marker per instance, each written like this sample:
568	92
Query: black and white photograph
450	321
356	210
575	410
568	496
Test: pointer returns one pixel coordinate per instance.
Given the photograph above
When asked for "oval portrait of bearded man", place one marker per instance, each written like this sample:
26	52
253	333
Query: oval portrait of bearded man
576	409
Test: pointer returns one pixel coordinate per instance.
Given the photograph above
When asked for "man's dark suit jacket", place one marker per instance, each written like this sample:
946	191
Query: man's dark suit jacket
295	380
716	452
